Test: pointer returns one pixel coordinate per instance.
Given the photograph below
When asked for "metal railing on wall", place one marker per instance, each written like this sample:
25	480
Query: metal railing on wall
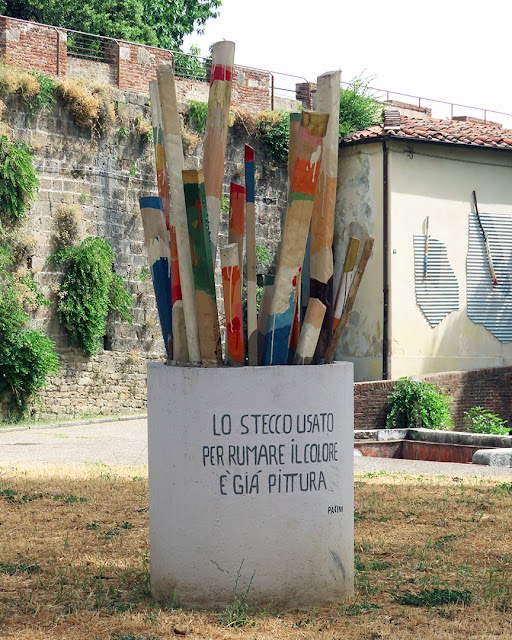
87	46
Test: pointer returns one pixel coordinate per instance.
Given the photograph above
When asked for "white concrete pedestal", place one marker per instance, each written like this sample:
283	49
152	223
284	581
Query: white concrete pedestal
252	465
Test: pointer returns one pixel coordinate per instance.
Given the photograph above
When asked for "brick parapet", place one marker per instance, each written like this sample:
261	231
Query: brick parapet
489	388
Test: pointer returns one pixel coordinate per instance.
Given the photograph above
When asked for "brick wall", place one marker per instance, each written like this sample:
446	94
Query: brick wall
127	65
488	388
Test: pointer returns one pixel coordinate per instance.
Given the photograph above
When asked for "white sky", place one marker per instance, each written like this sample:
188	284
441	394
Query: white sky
442	49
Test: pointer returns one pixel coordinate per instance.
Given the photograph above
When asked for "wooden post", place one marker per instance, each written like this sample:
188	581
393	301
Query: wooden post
156	238
236	222
310	331
250	257
174	155
354	287
266	299
322	221
295	233
343	287
202	268
231	278
219	100
180	347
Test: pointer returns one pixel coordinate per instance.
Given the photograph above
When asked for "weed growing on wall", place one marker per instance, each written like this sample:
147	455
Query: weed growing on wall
196	115
478	420
416	403
143	130
67	221
274	128
18	179
88	291
358	108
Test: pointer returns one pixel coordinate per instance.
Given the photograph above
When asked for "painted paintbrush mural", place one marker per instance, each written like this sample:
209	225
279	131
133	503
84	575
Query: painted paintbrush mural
156	238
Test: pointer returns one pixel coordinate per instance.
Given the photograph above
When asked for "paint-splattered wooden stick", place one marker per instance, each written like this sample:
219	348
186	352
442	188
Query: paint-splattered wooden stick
354	287
180	347
236	221
174	157
202	268
156	238
310	332
235	351
348	267
250	257
219	100
266	299
322	221
294	237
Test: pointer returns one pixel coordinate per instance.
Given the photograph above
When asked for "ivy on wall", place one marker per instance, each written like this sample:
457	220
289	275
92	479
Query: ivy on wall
89	291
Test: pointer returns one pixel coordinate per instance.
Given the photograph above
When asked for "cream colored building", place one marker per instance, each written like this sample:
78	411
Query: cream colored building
392	179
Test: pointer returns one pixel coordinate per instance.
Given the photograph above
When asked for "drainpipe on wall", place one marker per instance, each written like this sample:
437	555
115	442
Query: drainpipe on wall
385	268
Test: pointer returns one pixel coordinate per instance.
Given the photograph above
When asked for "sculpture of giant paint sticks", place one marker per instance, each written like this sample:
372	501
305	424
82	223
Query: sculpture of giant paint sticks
156	237
354	287
174	156
322	221
250	258
180	347
202	268
310	331
231	279
266	299
219	99
348	267
236	221
295	233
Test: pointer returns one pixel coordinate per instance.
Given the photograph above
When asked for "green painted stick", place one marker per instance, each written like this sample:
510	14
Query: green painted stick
202	268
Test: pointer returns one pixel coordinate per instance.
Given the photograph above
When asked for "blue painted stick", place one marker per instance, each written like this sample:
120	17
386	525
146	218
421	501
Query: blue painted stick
159	257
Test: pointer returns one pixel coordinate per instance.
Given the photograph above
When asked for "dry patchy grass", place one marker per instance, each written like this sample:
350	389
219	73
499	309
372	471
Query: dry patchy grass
433	560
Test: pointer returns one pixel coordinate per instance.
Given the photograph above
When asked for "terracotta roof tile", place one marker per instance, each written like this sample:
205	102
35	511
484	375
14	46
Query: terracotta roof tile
480	134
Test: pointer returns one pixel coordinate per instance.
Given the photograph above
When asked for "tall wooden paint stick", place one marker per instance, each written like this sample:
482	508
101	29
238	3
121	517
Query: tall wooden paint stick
322	220
219	100
310	332
236	222
354	287
250	257
348	267
180	347
202	268
156	238
235	350
174	158
295	233
266	299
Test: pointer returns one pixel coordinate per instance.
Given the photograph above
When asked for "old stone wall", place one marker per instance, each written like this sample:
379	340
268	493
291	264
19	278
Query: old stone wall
488	388
102	176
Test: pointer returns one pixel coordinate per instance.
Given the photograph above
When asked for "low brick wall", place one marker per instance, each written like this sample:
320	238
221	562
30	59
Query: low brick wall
488	388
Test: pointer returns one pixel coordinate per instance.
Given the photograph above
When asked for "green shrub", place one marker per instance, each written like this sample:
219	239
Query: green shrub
416	403
18	179
89	290
27	357
478	420
274	128
196	115
358	108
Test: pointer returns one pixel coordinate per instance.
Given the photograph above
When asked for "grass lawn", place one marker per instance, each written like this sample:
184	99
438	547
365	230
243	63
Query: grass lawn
433	559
